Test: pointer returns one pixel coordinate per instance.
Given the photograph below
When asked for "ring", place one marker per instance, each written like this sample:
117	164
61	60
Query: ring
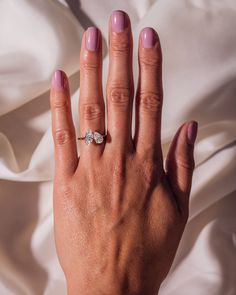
90	136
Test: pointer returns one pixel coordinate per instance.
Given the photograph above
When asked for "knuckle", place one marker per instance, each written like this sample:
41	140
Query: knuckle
63	136
151	102
184	163
91	111
120	96
59	102
89	65
150	60
119	47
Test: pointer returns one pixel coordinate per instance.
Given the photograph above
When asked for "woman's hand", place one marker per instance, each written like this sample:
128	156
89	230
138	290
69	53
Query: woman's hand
118	213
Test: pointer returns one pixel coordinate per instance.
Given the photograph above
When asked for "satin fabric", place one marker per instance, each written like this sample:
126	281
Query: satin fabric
199	70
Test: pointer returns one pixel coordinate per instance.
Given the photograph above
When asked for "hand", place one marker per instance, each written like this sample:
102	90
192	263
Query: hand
118	213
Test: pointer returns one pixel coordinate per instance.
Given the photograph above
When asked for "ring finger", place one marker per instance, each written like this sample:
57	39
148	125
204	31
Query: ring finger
91	102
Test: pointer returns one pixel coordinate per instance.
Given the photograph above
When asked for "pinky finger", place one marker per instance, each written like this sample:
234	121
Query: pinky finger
63	130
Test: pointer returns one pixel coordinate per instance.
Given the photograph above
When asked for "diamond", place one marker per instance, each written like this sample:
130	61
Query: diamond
88	136
97	137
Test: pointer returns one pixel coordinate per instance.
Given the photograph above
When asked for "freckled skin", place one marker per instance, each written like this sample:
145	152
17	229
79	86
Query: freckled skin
119	214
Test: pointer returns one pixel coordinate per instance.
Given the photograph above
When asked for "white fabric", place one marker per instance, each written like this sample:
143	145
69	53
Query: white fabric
199	49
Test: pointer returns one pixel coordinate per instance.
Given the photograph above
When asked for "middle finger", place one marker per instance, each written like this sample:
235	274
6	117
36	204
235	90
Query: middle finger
120	88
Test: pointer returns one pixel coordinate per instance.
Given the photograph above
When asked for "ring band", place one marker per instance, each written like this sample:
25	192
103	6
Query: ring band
91	136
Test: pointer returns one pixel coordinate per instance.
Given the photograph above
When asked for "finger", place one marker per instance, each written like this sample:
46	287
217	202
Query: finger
180	162
149	96
91	102
66	158
120	81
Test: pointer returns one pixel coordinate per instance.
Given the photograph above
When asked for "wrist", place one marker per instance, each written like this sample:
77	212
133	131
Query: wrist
109	289
108	284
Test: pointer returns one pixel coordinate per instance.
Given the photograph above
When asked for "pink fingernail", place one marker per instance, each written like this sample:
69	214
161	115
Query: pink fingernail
192	132
119	21
59	80
148	37
92	39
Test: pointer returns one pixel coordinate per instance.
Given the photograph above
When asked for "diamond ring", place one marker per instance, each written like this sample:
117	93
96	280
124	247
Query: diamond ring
90	136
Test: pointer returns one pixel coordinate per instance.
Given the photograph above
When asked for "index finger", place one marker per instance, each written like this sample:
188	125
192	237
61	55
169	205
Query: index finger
63	130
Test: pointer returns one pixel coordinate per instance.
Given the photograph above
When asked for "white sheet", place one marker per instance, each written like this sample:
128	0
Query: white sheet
199	50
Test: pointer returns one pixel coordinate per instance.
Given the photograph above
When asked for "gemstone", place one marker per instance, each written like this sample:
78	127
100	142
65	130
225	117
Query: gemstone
98	137
88	136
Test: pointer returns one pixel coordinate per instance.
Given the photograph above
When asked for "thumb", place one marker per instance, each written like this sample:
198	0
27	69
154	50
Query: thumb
180	163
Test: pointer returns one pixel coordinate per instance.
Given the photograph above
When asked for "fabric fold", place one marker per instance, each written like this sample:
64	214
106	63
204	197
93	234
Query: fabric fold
199	73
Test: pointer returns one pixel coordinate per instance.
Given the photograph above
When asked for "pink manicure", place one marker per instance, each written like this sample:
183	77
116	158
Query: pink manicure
92	39
59	80
192	132
119	21
148	37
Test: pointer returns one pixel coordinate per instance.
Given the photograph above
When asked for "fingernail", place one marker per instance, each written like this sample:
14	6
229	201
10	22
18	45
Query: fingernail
119	21
92	39
59	80
148	37
192	132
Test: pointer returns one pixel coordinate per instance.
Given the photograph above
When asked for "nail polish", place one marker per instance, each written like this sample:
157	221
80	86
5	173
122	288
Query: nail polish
192	132
59	80
148	37
119	21
92	39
